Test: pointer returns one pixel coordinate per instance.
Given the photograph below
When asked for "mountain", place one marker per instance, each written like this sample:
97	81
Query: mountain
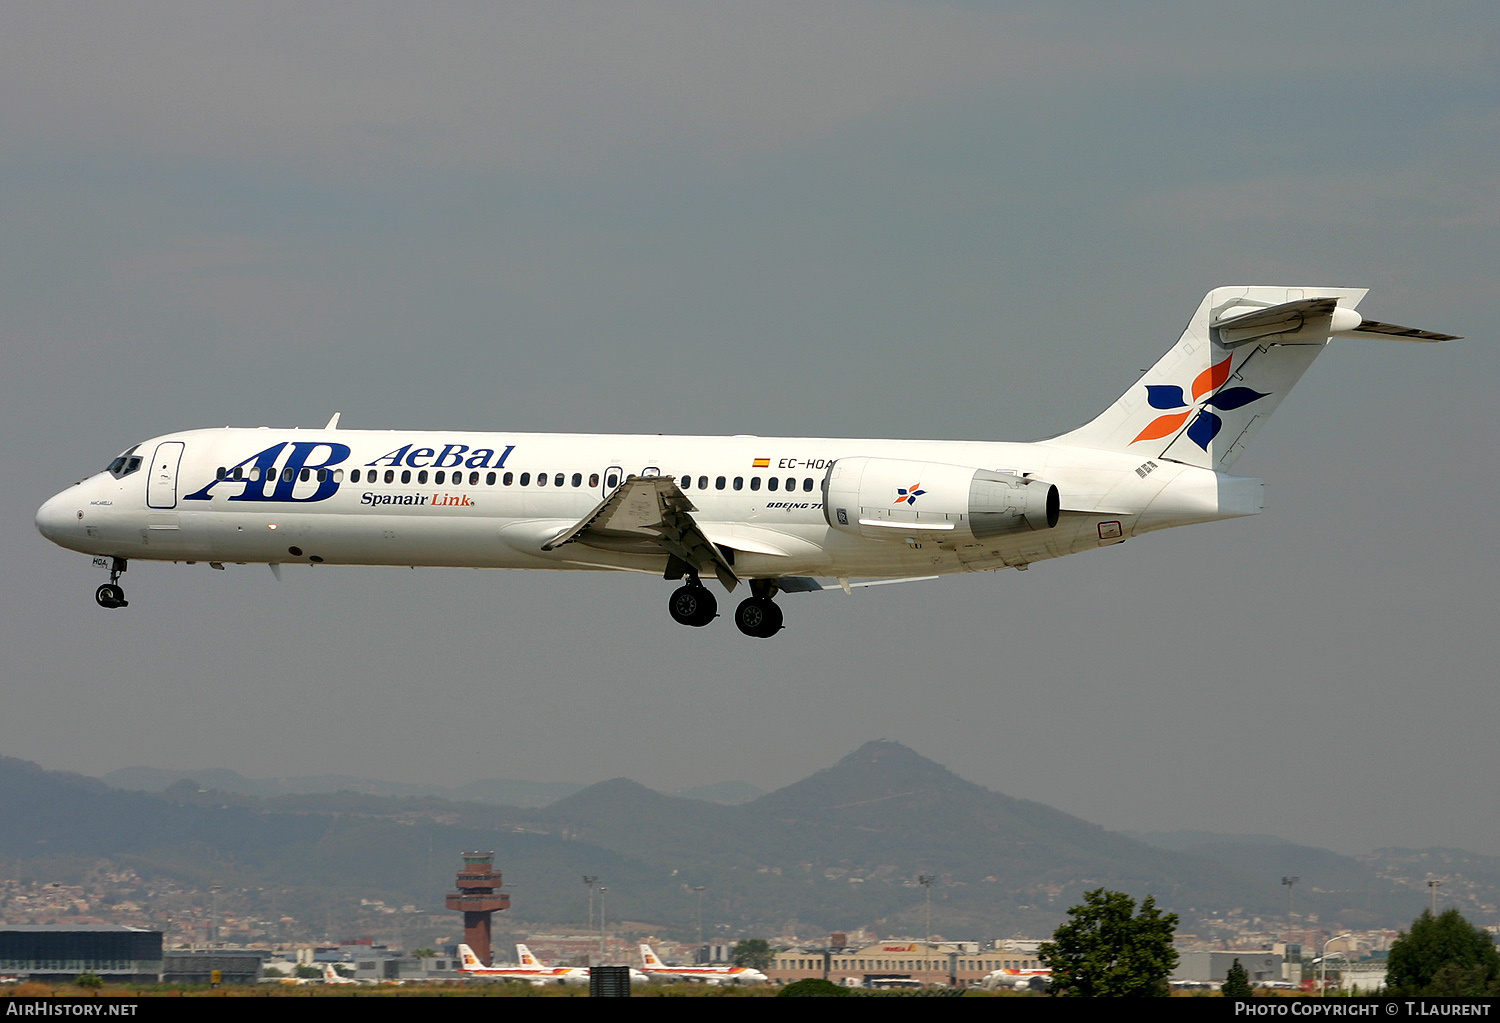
497	791
838	850
852	839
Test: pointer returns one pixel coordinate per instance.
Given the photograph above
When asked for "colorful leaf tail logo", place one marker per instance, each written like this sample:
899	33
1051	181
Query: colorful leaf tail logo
1205	426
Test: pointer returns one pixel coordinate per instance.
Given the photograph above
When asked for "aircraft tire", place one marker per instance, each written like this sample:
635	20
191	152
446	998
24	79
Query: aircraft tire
759	617
110	595
693	605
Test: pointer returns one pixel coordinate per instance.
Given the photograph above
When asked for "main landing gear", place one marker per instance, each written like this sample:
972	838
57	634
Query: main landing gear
693	604
110	594
758	615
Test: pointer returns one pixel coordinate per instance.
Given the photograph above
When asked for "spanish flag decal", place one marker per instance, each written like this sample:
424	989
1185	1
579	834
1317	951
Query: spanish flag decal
761	463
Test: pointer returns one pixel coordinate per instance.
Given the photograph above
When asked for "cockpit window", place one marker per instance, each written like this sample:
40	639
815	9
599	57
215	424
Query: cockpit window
126	464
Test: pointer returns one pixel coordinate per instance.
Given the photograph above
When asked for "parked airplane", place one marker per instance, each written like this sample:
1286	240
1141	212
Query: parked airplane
778	513
332	976
1021	980
658	970
530	969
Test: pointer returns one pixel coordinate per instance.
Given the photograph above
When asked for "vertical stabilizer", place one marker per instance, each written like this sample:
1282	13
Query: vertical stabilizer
1239	356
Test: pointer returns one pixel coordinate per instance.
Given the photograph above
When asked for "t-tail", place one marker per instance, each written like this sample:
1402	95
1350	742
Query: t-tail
649	957
1239	356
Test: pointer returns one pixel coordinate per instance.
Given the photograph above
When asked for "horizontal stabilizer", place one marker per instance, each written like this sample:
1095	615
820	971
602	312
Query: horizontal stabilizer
1240	324
1317	318
1397	332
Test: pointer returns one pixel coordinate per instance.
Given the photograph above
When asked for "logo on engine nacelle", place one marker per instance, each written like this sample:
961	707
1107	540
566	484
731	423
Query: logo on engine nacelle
909	494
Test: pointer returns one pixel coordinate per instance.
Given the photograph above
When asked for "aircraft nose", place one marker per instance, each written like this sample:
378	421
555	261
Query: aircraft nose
59	516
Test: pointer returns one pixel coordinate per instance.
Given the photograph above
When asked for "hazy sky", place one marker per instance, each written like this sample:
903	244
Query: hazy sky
909	220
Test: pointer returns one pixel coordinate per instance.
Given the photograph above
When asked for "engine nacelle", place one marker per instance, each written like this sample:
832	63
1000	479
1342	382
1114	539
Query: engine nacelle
895	498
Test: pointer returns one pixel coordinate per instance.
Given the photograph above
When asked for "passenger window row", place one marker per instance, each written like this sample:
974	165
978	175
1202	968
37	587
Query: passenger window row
124	467
772	483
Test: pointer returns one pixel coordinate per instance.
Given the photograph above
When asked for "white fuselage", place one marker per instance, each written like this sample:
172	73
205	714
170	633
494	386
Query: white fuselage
473	500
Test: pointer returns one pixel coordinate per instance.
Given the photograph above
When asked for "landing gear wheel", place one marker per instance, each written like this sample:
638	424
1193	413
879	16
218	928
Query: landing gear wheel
110	595
693	605
759	617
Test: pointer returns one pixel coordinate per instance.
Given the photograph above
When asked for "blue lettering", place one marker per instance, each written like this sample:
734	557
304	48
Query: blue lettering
264	462
301	451
479	458
394	458
456	450
411	459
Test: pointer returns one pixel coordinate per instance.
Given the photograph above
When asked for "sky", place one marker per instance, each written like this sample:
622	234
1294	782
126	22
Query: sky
918	219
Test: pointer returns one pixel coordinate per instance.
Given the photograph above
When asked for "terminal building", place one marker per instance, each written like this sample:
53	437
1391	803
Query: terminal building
58	953
949	963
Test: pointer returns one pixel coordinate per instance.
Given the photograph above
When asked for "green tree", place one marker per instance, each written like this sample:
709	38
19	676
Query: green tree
89	980
753	952
1443	955
1236	982
813	987
1107	950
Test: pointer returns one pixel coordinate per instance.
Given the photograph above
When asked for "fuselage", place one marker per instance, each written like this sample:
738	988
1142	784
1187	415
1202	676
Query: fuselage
355	497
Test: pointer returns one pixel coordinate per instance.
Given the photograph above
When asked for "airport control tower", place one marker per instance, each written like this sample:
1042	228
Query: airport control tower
477	899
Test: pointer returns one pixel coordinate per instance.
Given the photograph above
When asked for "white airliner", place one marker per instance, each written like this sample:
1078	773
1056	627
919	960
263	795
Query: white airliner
778	513
1021	980
530	969
658	970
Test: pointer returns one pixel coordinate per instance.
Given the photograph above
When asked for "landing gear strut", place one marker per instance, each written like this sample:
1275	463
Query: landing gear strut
758	615
693	604
110	594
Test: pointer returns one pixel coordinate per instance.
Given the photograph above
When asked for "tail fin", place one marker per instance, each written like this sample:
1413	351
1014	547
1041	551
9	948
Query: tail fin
468	958
1240	354
649	957
524	956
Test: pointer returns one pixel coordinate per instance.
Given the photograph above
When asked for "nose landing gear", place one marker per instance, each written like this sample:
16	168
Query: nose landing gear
110	594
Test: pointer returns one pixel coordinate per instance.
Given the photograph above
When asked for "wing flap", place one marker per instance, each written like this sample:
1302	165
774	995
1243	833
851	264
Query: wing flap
649	511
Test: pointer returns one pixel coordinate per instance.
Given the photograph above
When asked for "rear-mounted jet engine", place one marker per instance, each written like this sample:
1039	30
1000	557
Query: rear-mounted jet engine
890	498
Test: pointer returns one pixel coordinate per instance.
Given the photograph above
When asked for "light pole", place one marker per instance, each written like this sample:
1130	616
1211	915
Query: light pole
602	890
699	889
925	880
1432	885
590	879
1323	964
213	916
1289	881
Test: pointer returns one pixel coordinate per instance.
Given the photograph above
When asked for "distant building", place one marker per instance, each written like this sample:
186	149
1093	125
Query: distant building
958	963
379	967
1263	966
1362	978
60	953
235	966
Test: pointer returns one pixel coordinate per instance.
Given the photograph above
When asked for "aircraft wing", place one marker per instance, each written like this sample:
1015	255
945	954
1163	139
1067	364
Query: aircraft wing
648	511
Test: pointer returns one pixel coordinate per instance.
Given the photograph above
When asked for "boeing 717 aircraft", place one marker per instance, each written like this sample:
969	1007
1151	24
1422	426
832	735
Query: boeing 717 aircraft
780	514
